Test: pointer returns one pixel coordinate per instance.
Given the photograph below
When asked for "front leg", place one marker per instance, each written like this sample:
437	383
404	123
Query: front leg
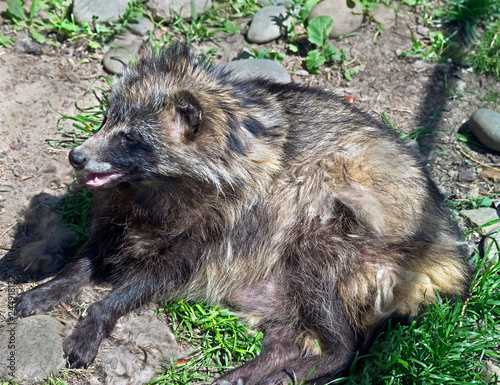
138	288
59	289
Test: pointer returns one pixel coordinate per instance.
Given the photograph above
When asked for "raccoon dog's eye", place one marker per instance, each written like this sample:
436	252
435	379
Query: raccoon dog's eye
128	139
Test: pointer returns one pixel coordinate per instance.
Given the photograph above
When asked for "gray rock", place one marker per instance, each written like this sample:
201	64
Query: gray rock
3	6
251	68
481	216
384	15
268	24
106	11
25	44
485	124
142	27
123	49
347	16
144	341
467	176
35	343
490	244
164	9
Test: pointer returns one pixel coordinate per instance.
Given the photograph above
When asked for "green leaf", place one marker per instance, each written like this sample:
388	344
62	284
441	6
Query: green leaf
293	48
231	27
318	29
94	44
6	41
35	7
306	9
37	36
314	60
16	9
332	53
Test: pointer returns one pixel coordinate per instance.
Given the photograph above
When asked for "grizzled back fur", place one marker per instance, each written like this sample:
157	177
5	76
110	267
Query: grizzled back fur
282	202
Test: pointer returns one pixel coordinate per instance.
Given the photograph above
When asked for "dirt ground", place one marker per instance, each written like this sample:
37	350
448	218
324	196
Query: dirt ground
411	93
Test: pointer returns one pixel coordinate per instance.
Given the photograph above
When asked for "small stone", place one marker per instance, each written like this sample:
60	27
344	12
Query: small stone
164	9
301	73
490	244
142	27
346	14
3	6
479	217
118	57
25	44
485	124
252	68
268	24
384	15
467	176
106	11
422	31
38	348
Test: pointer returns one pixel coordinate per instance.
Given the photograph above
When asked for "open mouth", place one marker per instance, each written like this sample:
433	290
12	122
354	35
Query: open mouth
101	179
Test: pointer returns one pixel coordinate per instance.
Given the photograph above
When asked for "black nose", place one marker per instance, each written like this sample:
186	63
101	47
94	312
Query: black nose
77	159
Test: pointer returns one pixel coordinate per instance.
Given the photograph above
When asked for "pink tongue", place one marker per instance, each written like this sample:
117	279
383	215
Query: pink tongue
96	180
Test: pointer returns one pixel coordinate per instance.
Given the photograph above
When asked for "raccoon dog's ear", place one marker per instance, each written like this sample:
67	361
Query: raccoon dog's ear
188	114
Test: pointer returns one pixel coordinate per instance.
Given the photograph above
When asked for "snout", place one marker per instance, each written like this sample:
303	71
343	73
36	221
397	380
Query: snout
77	159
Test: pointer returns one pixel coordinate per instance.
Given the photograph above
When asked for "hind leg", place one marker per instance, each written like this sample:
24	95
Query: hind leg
278	348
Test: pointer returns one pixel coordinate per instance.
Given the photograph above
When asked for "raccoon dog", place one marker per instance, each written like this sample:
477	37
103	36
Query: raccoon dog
284	203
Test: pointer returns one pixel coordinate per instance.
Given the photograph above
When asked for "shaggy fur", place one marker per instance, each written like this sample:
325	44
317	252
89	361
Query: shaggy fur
282	202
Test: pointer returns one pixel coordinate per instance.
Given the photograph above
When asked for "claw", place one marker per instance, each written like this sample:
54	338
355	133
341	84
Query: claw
87	365
240	382
31	313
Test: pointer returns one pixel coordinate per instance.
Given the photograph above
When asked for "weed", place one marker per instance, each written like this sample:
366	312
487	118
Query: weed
487	58
266	54
6	41
220	341
318	30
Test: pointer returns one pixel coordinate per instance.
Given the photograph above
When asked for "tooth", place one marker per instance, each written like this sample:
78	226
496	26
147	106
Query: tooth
96	180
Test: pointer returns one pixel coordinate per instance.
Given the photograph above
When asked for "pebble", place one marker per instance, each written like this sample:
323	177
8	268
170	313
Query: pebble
485	124
163	9
38	348
252	68
481	216
25	44
301	73
268	24
118	57
384	15
106	11
492	239
347	16
3	6
467	176
142	27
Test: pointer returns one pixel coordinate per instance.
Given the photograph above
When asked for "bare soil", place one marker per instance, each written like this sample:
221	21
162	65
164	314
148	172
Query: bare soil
34	87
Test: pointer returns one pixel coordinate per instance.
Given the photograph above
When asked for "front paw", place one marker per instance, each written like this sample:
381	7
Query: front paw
36	301
82	345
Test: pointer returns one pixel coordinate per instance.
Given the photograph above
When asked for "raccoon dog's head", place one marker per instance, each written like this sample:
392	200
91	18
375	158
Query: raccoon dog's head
166	119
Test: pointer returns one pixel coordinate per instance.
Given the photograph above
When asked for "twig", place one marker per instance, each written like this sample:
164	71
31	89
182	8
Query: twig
10	228
71	312
470	188
478	162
